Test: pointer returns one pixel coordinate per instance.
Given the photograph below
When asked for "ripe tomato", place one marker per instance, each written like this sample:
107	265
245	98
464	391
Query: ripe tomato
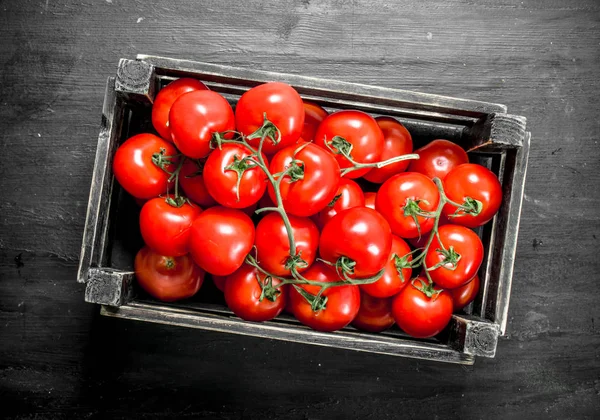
193	119
244	295
220	281
398	141
478	183
220	239
374	314
340	308
231	179
167	278
420	315
348	195
359	237
363	138
370	199
192	183
134	167
465	294
164	100
401	197
463	255
166	228
392	282
273	247
313	116
438	158
422	241
316	189
283	107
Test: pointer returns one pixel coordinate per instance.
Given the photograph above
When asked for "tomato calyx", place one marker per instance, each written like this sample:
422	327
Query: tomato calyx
267	289
450	260
345	265
428	289
266	130
401	263
294	262
239	166
162	160
470	206
412	209
317	302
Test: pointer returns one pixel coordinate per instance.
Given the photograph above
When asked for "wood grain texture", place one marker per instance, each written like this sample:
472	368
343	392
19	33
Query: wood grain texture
58	358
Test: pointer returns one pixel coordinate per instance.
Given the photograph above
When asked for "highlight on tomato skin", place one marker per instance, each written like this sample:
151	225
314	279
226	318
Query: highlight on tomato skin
438	158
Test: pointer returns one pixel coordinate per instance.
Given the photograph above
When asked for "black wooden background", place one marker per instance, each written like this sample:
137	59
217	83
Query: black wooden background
60	359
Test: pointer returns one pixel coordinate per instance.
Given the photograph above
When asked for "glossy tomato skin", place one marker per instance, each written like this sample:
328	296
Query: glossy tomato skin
397	142
167	278
477	182
221	182
192	183
374	314
392	197
309	195
164	100
284	108
193	119
360	130
438	158
351	195
370	199
313	116
219	281
465	294
467	244
342	304
220	239
361	234
418	315
165	228
391	283
242	295
134	169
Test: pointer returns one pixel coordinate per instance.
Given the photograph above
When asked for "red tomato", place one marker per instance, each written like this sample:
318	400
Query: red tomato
340	308
164	100
220	239
392	282
219	281
419	315
360	235
422	241
465	294
348	195
166	228
374	314
398	141
370	199
360	131
134	167
192	183
194	118
284	108
438	158
464	247
321	175
402	192
313	116
478	183
231	180
244	295
167	278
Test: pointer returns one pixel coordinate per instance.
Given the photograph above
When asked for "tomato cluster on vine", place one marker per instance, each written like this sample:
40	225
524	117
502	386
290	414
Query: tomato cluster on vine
290	207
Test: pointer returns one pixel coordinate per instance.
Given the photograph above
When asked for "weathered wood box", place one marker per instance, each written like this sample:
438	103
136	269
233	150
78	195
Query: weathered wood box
111	237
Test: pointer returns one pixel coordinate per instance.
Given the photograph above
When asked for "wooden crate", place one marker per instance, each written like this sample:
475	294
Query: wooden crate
111	236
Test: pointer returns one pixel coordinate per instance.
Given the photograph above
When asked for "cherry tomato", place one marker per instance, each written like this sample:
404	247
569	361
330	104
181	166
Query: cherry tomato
403	192
219	281
465	294
273	246
164	100
348	195
193	119
340	308
321	175
313	116
192	183
244	295
220	239
134	167
284	108
370	199
438	158
478	183
166	228
392	282
374	314
361	236
460	245
360	131
417	314
167	278
231	179
398	141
